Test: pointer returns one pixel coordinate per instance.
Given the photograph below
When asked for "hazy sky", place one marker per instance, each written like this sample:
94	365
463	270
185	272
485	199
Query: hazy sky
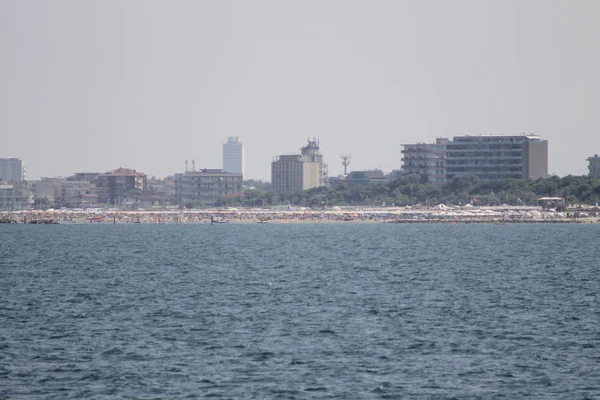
96	85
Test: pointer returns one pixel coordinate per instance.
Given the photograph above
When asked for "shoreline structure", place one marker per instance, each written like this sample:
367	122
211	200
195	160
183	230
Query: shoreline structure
438	214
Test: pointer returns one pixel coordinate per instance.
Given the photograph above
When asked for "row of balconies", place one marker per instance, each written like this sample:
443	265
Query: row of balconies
484	162
422	158
423	150
211	186
494	178
433	161
203	193
426	171
479	147
422	166
481	157
211	179
486	170
490	139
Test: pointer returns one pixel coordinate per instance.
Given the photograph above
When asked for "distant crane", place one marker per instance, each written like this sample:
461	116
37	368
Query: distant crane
346	161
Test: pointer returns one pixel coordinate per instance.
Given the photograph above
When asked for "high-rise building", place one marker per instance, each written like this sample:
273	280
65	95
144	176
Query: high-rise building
233	156
294	173
12	170
594	166
494	158
427	159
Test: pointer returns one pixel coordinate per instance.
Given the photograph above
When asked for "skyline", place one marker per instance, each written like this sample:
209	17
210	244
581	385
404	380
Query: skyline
236	159
147	85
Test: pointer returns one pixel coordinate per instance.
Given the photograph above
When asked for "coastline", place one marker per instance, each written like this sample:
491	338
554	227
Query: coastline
465	215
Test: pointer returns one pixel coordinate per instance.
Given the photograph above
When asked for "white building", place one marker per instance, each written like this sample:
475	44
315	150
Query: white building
233	156
297	172
12	170
15	196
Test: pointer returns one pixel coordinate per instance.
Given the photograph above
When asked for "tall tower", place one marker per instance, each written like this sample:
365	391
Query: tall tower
233	155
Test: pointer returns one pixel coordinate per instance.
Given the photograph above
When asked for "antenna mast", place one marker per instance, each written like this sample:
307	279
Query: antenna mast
346	161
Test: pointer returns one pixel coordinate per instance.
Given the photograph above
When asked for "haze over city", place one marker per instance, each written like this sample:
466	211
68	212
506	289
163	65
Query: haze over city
93	86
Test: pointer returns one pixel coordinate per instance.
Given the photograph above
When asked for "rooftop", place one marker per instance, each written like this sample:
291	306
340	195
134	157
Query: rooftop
124	172
371	174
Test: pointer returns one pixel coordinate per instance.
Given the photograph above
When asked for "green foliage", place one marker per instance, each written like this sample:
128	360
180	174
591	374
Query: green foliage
42	203
415	190
258	185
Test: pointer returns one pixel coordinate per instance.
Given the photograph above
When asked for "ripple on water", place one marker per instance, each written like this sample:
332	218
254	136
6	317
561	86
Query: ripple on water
299	311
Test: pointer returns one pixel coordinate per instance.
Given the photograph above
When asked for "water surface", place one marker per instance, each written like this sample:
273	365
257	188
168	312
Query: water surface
300	311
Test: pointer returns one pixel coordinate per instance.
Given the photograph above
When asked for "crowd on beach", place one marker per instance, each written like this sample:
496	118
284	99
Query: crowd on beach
382	215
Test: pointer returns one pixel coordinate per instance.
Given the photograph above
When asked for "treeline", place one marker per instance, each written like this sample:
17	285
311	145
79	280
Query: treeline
417	190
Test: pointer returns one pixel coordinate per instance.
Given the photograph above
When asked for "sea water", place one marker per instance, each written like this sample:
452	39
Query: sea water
300	311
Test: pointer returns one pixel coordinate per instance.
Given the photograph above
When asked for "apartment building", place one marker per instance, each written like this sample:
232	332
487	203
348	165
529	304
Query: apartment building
426	159
294	173
15	196
206	187
494	157
12	170
122	186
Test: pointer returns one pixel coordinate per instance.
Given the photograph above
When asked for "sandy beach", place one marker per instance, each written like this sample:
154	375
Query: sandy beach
337	215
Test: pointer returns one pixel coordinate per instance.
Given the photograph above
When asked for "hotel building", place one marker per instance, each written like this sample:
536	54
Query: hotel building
426	159
495	158
206	187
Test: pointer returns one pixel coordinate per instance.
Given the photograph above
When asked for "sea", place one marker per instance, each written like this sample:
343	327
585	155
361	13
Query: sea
300	311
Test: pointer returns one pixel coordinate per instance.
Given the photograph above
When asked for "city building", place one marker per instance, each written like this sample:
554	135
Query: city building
48	189
12	170
233	156
160	193
78	194
494	158
15	196
363	178
206	187
426	159
121	187
594	166
91	177
297	172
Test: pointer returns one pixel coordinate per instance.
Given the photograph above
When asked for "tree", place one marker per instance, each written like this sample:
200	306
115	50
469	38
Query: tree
463	183
42	203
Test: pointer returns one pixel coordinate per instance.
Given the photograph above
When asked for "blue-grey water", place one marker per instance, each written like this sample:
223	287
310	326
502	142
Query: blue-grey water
348	311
